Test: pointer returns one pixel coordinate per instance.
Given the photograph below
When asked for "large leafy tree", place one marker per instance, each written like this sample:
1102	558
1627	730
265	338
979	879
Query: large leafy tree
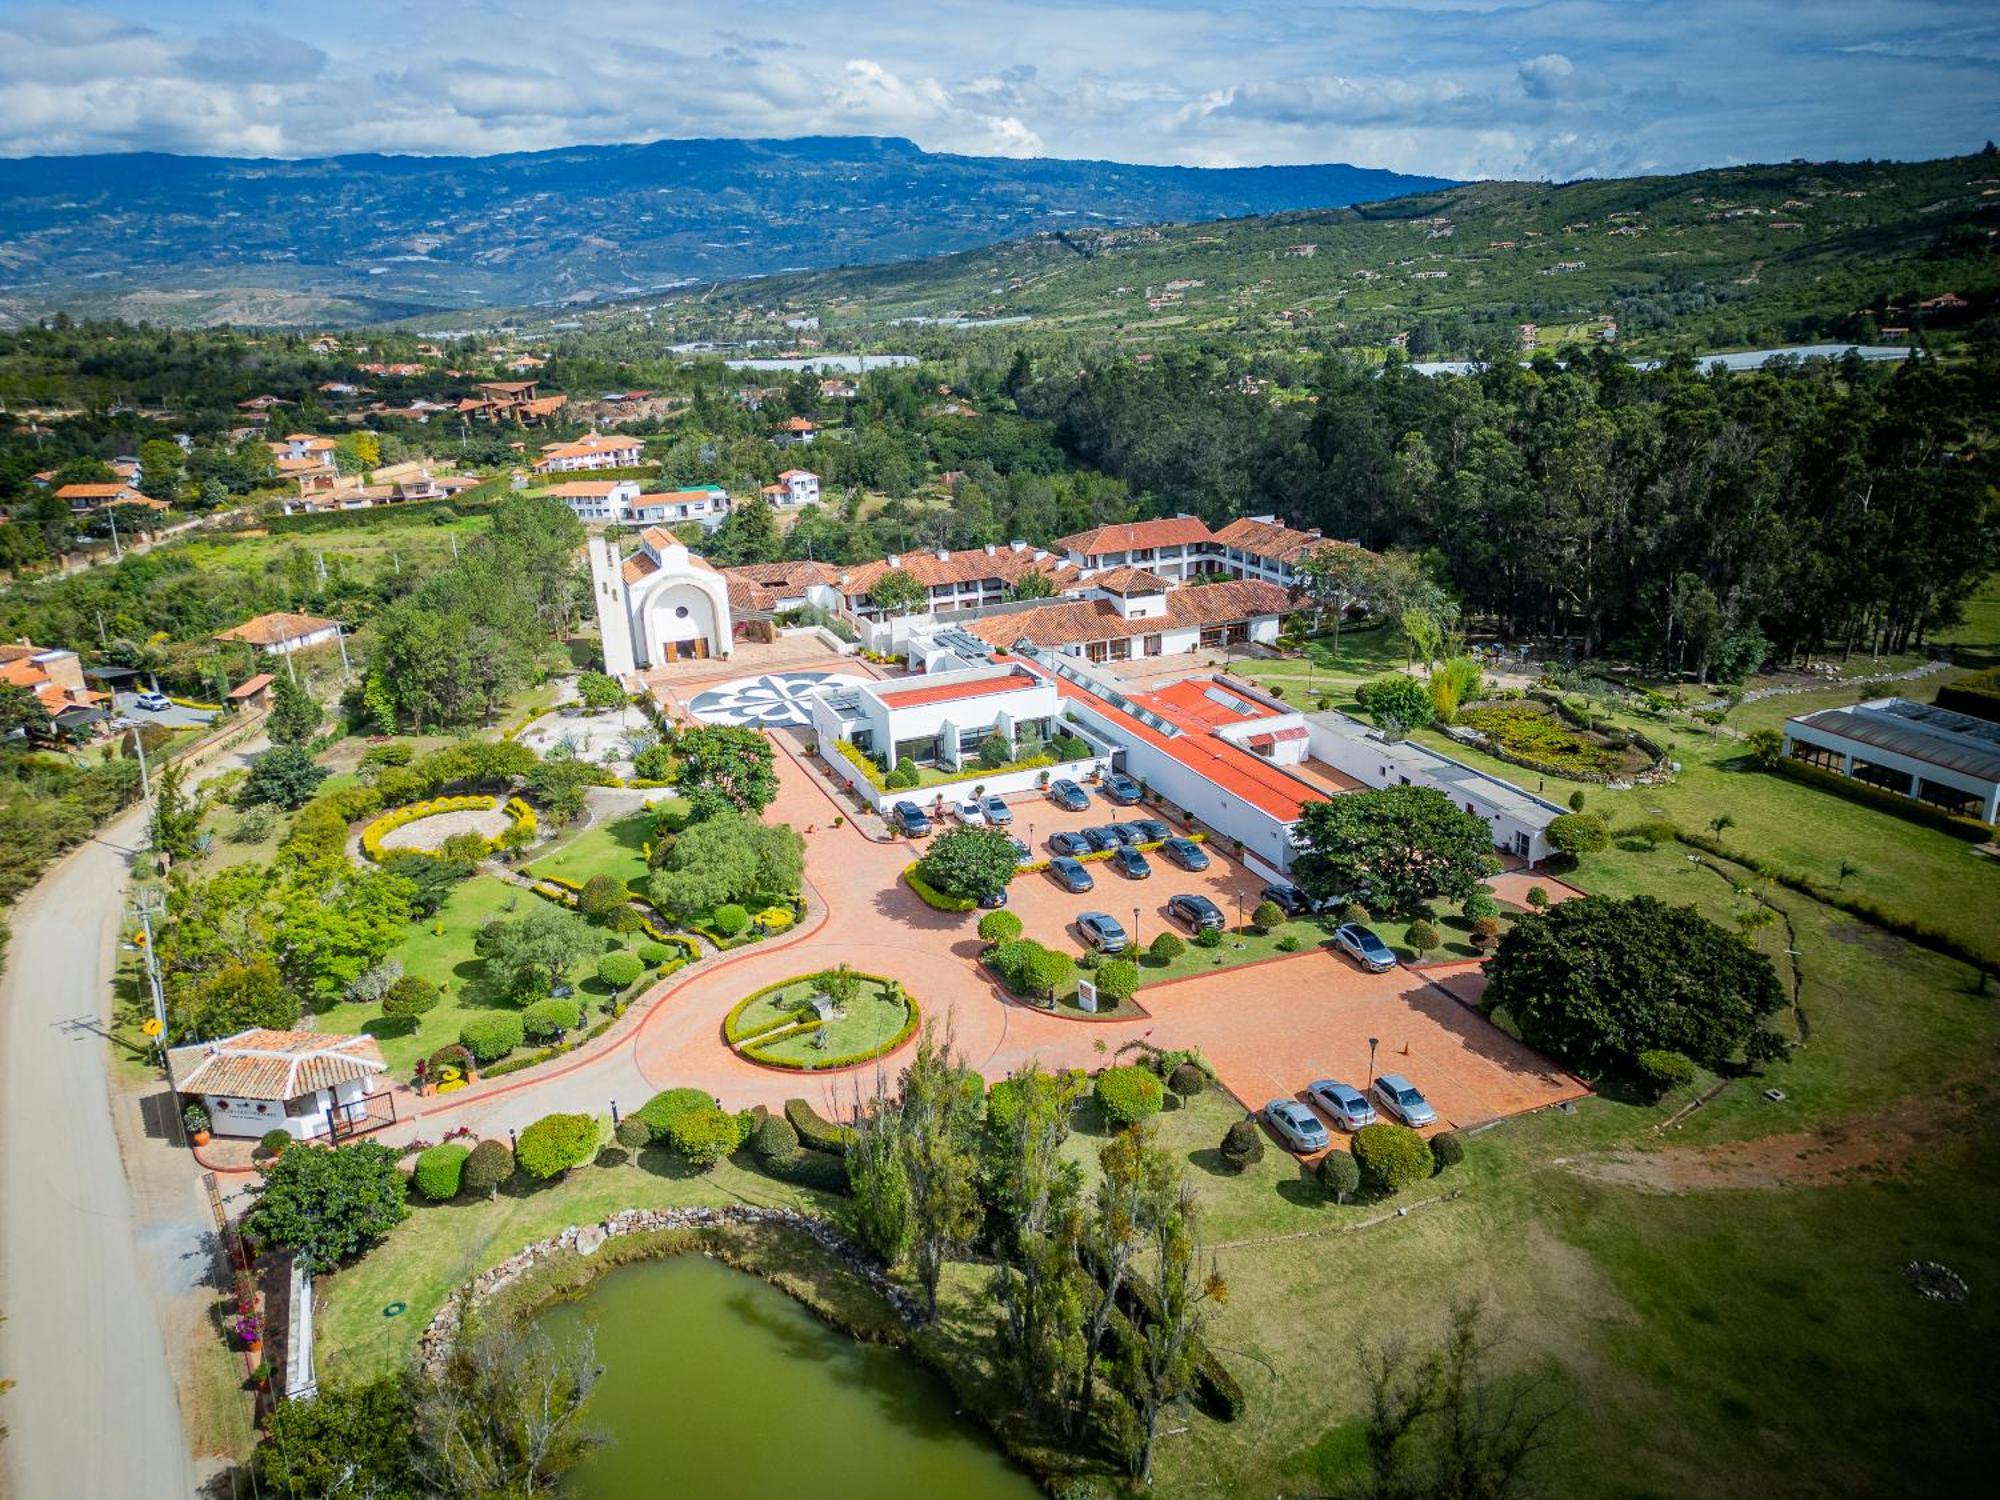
284	776
235	998
1596	981
295	717
333	919
537	951
1394	848
969	862
505	1416
727	857
723	767
328	1206
897	592
347	1441
1333	579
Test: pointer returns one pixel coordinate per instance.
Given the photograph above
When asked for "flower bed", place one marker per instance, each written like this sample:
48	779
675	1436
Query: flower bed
397	817
776	1026
1540	738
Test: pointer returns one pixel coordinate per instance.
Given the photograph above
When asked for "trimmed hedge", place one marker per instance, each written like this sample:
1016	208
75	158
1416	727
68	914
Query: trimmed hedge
1392	1157
1958	825
1187	1080
1339	1174
1447	1149
547	1020
620	969
440	1170
704	1136
490	1164
389	822
1662	1071
555	1143
932	897
999	927
1129	1094
1242	1145
660	1111
774	1139
492	1036
633	1133
816	1132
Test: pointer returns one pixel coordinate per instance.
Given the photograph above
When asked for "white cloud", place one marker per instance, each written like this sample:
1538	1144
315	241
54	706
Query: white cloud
1452	87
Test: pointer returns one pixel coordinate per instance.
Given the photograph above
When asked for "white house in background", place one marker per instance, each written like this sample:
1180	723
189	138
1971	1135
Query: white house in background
1519	819
281	634
299	445
795	432
794	487
1129	614
597	451
598	499
1917	750
707	504
307	1084
661	604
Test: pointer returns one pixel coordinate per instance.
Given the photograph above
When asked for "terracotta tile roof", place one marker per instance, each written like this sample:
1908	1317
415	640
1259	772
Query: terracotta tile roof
251	686
1194	700
1268	539
97	492
639	565
276	629
1130	536
798	424
264	1064
952	692
1076	622
763	586
974	565
798	474
587	489
1128	581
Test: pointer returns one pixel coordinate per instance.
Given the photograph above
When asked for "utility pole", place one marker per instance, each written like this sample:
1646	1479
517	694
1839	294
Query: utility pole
117	552
145	778
146	911
340	639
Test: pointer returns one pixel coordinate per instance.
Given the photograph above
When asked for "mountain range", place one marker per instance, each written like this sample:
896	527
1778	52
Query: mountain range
189	240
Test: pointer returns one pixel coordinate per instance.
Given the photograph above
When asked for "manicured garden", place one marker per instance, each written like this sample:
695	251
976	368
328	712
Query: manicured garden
615	847
826	1020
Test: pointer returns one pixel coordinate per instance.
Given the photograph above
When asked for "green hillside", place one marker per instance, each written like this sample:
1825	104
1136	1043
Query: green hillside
1739	256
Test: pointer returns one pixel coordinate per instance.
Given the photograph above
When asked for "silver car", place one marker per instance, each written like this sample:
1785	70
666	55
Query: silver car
1399	1096
1296	1125
1342	1103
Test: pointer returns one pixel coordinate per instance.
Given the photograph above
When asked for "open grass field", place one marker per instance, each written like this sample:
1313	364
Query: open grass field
614	847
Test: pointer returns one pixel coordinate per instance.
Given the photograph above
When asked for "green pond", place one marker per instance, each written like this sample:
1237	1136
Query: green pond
716	1384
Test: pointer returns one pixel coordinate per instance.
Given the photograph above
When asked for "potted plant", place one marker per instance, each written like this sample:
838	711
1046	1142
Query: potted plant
250	1329
196	1120
261	1374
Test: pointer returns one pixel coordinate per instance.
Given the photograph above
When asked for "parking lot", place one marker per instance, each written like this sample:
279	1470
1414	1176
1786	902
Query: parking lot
1047	911
173	716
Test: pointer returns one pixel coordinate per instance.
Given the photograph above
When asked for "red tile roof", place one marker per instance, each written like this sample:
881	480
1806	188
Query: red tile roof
973	565
952	692
1074	622
1130	536
264	1064
1193	700
1127	581
276	629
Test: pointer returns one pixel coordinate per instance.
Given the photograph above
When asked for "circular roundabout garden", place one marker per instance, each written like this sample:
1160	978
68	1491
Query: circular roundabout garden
832	1019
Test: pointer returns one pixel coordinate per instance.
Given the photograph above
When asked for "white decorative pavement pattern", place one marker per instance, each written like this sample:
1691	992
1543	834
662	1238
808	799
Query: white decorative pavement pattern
772	701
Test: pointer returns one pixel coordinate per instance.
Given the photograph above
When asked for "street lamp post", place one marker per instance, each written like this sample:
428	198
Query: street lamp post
1135	929
1372	1041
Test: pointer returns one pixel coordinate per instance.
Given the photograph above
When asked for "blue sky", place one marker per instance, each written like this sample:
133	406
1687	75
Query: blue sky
1465	89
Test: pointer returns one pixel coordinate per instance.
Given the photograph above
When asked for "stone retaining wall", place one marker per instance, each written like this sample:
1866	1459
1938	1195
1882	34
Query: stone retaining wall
588	1239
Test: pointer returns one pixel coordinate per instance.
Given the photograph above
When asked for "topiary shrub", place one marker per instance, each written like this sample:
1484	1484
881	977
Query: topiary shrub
1660	1071
1391	1157
1166	947
1339	1174
774	1140
1267	915
440	1171
1421	936
1129	1094
1485	930
555	1143
815	1130
409	998
451	1055
665	1107
1447	1149
1242	1145
633	1133
1537	897
1187	1080
652	955
547	1020
1481	904
999	927
704	1136
731	920
490	1164
1354	911
492	1036
1118	979
620	969
1208	937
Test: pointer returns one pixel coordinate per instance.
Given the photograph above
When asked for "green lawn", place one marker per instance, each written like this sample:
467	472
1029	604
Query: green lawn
868	1024
444	957
616	848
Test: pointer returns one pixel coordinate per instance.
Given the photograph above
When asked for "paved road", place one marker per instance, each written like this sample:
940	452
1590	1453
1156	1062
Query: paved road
94	1412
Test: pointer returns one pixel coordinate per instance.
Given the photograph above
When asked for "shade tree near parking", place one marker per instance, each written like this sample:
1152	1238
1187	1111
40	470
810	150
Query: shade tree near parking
724	768
968	862
1597	982
1395	848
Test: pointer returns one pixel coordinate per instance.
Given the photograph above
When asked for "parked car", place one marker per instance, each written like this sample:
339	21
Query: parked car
910	820
1132	864
994	900
1069	842
1071	876
969	813
1120	788
996	809
1186	853
1126	833
123	721
153	703
1102	931
1197	912
1293	901
1023	855
1297	1126
1067	795
1152	830
1101	837
1364	947
1344	1104
1400	1097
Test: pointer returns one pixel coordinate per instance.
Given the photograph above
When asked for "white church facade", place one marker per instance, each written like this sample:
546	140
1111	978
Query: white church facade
662	604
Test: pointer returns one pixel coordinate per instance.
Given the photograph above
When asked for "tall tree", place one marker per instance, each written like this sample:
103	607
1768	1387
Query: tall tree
295	717
1186	1286
505	1417
1392	848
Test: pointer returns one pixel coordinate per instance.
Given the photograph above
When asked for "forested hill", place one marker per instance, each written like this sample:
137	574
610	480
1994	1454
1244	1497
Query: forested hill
1724	258
353	238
